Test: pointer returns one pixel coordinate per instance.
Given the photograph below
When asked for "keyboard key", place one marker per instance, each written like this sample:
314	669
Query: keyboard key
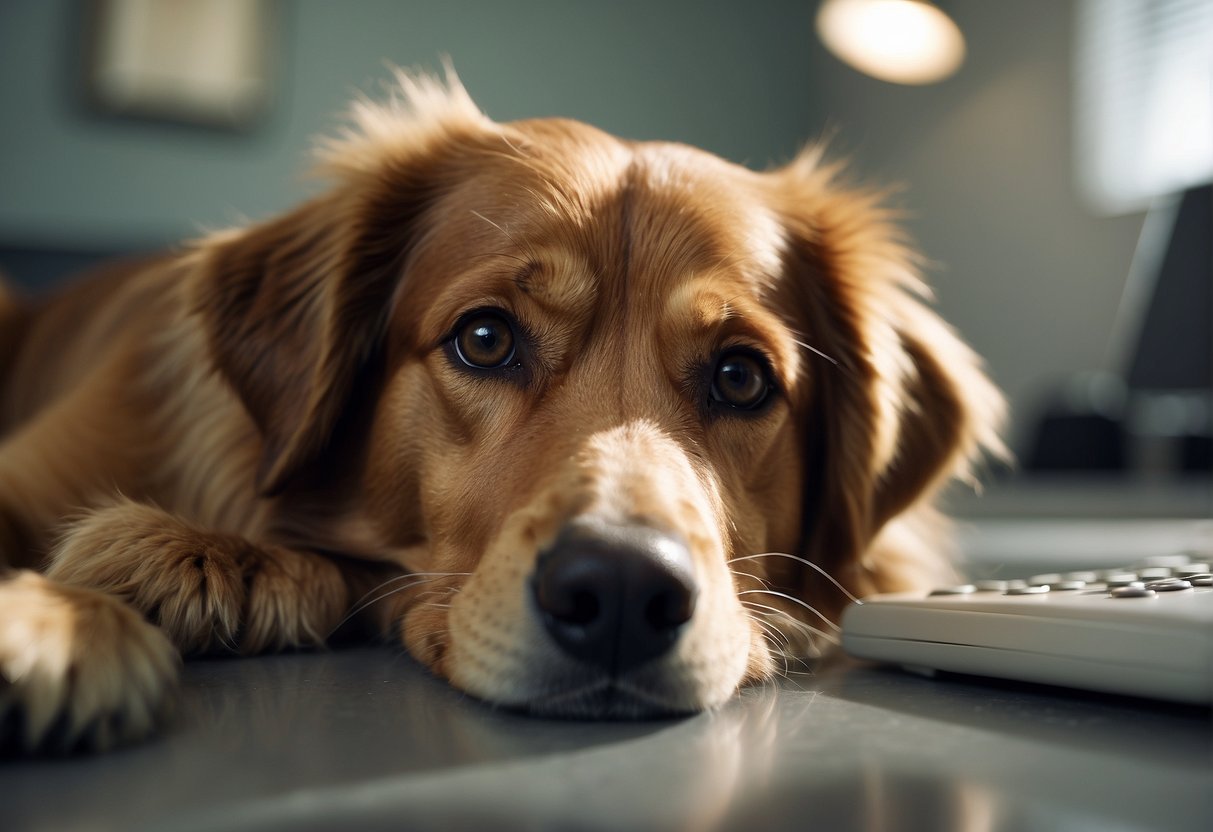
1201	580
1193	569
1086	577
1067	586
1169	585
1131	592
1034	589
1116	579
1042	580
993	586
1154	573
959	589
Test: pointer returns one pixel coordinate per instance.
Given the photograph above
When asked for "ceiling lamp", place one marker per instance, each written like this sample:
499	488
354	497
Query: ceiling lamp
902	41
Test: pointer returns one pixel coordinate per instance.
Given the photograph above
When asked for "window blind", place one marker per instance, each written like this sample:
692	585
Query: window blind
1143	100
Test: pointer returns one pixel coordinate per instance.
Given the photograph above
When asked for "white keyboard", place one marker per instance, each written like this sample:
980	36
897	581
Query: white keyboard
1144	631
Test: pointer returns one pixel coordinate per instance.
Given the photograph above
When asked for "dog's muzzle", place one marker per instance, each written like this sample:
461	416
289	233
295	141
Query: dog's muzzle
614	596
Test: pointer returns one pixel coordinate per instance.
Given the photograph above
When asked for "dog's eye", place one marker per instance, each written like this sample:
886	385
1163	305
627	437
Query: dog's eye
485	341
741	381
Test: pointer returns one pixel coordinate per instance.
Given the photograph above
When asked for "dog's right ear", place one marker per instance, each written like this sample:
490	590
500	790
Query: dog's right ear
294	308
898	404
14	317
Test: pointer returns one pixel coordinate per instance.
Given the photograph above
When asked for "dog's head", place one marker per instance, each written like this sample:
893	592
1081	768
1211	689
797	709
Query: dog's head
619	407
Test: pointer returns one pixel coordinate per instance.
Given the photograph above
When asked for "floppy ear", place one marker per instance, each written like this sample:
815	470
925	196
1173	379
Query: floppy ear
905	407
13	320
294	308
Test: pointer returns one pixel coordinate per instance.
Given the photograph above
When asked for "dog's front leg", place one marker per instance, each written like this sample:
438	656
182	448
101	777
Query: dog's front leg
78	668
209	591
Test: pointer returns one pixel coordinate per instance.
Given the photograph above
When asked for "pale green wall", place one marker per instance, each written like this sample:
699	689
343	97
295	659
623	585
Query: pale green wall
729	76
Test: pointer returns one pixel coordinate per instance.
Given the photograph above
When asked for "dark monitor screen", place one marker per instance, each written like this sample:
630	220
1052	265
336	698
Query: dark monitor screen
1174	349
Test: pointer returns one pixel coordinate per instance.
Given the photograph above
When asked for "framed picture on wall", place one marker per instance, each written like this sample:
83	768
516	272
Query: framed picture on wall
203	62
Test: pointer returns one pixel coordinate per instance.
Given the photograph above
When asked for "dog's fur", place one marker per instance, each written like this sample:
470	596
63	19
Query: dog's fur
239	447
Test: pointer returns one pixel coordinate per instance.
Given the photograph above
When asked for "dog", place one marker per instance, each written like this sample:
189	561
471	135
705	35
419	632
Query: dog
597	428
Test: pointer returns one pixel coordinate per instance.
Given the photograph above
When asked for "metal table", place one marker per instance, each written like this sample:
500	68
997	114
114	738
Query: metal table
366	739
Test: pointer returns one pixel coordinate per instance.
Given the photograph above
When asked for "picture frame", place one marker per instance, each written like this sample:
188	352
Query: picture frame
194	62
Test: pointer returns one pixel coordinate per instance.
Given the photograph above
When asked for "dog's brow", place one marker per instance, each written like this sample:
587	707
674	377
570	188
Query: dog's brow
711	306
559	284
704	302
525	275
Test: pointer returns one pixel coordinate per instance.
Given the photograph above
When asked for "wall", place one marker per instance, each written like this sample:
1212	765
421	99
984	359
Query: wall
1027	274
1030	275
709	72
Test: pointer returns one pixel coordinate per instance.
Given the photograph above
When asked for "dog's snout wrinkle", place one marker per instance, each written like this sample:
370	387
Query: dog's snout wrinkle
615	596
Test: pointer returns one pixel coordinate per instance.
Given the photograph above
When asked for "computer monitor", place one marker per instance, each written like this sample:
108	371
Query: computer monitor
1153	415
1173	348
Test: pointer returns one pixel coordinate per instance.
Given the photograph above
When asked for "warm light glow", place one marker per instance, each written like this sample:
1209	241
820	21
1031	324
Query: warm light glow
903	41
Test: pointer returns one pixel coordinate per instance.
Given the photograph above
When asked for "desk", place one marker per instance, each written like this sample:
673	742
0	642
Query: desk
366	739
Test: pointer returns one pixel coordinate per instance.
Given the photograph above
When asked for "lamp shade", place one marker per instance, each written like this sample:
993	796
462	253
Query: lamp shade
901	41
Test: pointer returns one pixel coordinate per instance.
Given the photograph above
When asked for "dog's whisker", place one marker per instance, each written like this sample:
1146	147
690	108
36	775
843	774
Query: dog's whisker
507	234
749	575
442	602
796	601
807	563
781	643
817	352
360	606
363	606
408	575
807	671
784	656
785	672
808	629
773	633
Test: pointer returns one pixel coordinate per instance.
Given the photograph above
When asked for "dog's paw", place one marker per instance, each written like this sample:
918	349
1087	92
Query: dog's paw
294	600
216	594
78	669
195	592
208	591
188	583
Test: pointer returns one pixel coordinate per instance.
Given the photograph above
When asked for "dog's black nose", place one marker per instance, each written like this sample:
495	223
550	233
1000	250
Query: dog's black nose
615	596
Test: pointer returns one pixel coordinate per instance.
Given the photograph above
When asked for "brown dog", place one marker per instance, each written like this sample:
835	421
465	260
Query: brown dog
589	421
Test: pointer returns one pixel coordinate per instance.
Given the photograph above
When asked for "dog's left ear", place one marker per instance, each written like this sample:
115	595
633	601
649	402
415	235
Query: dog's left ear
900	406
294	308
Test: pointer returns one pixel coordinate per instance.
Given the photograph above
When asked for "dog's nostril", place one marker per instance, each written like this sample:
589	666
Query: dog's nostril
615	596
670	609
583	609
568	590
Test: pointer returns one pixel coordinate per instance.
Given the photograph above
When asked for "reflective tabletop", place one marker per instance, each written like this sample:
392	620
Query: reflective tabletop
364	738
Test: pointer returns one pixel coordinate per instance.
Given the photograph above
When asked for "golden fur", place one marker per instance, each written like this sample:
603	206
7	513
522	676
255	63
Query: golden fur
263	438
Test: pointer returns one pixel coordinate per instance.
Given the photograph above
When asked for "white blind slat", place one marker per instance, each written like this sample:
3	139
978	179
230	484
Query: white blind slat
1143	99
